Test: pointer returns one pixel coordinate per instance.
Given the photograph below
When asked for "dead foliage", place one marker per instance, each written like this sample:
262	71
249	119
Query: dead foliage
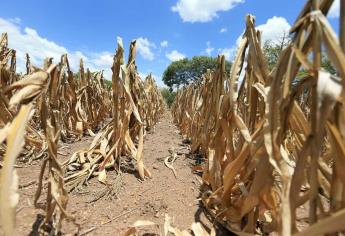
52	104
274	140
13	134
14	91
140	226
137	105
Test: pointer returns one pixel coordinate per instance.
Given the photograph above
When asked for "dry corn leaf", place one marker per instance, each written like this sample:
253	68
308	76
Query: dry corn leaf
9	180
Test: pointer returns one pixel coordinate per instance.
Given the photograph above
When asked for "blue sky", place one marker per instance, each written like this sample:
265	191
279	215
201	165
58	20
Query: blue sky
166	30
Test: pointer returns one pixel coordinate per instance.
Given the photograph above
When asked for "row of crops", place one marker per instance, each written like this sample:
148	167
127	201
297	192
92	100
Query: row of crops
274	141
52	104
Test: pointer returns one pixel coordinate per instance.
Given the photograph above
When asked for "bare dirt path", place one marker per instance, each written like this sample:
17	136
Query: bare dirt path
101	212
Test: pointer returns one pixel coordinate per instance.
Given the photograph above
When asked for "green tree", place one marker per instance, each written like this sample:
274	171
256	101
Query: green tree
108	83
186	71
169	96
272	52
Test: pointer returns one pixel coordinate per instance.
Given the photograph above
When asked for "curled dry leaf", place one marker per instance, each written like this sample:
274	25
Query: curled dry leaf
14	134
167	228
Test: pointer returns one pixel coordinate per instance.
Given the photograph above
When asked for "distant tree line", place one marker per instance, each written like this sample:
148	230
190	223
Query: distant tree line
185	71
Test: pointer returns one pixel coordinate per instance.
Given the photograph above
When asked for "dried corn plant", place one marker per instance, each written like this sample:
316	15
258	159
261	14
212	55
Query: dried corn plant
56	201
134	104
274	140
33	89
80	106
65	108
166	229
12	94
154	107
13	133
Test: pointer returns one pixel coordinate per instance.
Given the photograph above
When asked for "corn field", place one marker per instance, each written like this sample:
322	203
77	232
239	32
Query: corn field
272	142
48	104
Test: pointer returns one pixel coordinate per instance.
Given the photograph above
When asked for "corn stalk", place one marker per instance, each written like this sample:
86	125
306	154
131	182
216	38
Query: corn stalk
274	140
134	102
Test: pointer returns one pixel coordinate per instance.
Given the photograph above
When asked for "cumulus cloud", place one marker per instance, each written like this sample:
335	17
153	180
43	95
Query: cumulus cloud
175	55
334	12
144	47
274	29
202	10
27	40
15	20
209	49
103	59
227	52
223	30
164	44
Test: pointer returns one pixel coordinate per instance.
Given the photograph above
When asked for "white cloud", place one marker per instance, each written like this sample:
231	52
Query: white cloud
209	49
202	10
15	20
227	52
335	9
223	30
175	55
274	29
144	47
27	40
103	59
164	44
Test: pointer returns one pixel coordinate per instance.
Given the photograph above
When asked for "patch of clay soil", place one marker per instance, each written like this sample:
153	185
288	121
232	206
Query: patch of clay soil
103	210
